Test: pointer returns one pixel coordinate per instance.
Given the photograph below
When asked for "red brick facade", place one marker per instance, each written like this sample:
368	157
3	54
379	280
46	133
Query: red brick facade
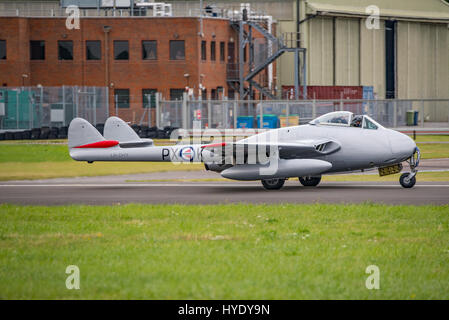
134	74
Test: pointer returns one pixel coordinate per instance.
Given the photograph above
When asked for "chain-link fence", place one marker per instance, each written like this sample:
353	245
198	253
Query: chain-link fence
230	114
24	108
36	107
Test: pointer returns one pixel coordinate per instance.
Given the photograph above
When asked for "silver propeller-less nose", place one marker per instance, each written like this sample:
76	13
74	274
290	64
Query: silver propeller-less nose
402	146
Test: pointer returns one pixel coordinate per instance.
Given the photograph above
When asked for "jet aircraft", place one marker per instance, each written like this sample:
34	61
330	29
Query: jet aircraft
337	142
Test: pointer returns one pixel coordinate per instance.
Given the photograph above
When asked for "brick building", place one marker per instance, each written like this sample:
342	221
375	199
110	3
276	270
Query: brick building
132	56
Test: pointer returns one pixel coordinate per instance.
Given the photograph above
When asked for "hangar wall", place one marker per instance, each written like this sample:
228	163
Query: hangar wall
423	64
320	52
372	58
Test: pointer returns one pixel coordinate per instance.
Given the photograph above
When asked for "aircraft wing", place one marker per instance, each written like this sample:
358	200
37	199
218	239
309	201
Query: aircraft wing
298	149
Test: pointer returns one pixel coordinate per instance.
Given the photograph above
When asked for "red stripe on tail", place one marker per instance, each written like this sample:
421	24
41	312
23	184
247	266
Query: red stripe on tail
100	144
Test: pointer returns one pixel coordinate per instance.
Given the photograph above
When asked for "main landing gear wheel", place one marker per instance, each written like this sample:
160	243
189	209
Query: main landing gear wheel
273	184
310	181
407	182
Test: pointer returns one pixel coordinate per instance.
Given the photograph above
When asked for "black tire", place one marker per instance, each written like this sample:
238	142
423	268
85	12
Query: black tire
406	182
310	181
273	184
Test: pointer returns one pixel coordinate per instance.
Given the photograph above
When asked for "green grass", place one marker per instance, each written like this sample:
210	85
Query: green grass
46	161
67	169
224	251
434	151
431	138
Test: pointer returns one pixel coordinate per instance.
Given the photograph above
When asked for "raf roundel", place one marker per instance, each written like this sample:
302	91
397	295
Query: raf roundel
187	154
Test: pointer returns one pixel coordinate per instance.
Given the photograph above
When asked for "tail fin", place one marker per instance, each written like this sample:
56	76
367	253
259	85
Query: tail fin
117	129
82	133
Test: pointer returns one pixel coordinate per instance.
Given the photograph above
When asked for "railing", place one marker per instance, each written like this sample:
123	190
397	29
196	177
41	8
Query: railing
232	114
26	108
35	107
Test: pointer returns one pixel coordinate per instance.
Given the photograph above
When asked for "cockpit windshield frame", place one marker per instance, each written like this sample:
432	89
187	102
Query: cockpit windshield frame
337	118
345	119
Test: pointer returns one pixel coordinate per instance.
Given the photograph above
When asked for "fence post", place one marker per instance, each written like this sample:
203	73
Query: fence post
395	114
158	110
235	114
225	113
17	108
209	114
148	108
422	113
288	114
94	96
261	115
63	103
313	108
31	104
184	110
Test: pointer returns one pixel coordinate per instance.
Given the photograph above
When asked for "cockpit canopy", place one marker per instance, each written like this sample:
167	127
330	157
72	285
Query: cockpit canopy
346	119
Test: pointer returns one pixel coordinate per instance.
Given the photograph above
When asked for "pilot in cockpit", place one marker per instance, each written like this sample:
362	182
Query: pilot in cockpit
357	121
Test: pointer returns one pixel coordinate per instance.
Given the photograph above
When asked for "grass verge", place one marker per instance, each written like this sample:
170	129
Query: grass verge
224	251
48	170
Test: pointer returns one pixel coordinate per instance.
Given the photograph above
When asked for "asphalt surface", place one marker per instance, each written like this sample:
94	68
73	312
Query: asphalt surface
227	192
178	187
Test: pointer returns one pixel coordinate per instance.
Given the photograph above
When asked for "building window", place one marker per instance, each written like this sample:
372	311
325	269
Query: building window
149	50
2	49
149	98
177	50
212	51
213	94
121	50
93	50
37	50
176	94
121	98
204	94
231	52
203	50
222	51
244	54
65	50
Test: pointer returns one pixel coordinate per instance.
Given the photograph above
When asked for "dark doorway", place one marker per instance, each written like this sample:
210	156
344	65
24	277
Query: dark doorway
390	59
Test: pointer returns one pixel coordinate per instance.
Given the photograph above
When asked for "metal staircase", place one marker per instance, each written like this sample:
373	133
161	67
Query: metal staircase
241	76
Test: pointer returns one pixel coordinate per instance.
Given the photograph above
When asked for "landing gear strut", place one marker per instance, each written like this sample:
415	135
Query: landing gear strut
273	184
408	179
310	181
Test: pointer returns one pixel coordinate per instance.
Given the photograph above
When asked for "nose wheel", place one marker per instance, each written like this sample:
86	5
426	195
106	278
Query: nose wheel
408	180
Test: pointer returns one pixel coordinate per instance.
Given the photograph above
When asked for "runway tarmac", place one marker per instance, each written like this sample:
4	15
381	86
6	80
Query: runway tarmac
227	192
165	187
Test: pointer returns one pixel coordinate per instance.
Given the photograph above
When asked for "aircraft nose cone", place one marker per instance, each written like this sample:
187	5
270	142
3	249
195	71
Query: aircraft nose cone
402	146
